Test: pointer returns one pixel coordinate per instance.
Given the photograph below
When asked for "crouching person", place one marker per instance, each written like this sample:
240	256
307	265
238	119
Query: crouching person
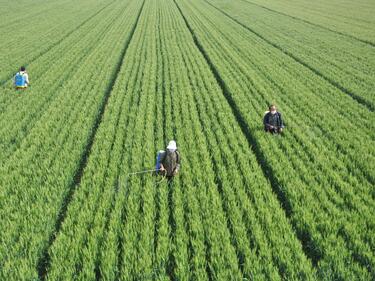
273	123
168	162
21	79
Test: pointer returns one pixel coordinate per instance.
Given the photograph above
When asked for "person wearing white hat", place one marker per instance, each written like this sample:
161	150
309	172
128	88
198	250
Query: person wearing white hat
170	160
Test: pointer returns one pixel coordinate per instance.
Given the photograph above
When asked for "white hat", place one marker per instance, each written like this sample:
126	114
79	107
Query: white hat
172	145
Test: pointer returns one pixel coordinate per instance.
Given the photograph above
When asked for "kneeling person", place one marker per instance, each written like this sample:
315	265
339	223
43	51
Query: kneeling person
21	80
272	121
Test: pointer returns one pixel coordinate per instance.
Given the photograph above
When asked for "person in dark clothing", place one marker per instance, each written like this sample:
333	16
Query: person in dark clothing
170	161
272	121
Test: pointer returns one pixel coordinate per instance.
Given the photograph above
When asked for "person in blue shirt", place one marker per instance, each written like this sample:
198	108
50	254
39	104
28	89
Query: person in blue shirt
21	79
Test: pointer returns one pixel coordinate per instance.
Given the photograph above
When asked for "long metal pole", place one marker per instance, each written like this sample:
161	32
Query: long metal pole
143	172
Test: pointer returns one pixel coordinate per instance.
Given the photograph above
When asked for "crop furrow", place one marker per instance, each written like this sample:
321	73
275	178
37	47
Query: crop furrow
337	85
20	127
275	83
26	63
77	198
314	184
44	262
311	23
307	244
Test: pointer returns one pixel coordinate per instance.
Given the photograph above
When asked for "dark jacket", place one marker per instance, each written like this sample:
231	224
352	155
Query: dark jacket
171	162
274	120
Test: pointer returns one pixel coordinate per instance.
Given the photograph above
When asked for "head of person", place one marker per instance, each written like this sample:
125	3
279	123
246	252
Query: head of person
172	146
22	68
272	108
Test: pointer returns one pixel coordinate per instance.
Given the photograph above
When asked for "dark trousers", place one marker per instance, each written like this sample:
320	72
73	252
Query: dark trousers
273	130
164	174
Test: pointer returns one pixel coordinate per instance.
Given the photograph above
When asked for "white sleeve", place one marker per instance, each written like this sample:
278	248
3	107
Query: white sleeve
27	78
